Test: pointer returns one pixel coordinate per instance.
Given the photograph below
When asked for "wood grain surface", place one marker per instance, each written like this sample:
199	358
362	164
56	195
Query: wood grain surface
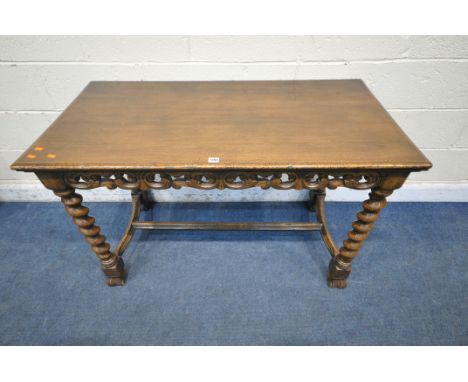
327	124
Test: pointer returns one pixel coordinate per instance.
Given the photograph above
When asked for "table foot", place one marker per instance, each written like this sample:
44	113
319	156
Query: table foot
337	283
338	272
117	281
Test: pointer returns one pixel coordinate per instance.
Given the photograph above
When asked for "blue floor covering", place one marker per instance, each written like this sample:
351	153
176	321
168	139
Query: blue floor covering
408	287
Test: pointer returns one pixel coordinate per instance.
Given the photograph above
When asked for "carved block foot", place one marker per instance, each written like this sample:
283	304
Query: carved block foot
338	271
117	281
117	276
337	283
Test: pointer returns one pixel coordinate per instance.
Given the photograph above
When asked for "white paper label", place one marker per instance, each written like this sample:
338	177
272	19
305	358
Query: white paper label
213	160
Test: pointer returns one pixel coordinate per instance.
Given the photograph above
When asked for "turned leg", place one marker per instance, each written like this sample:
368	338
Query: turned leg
340	265
312	200
111	264
145	200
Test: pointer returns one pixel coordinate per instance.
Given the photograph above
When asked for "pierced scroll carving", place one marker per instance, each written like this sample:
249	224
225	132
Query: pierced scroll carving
355	181
235	180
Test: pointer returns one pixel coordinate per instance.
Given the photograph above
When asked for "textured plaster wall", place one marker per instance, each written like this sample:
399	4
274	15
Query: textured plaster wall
421	80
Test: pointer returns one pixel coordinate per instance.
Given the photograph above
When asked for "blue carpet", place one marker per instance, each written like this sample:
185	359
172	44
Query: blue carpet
408	287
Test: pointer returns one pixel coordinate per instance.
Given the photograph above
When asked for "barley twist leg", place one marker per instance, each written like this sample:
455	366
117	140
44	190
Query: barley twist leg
340	265
111	264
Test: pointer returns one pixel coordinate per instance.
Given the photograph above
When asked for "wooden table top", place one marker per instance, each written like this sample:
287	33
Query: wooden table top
329	124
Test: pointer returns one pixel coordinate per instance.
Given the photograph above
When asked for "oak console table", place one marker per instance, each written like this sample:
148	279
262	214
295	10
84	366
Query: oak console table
285	135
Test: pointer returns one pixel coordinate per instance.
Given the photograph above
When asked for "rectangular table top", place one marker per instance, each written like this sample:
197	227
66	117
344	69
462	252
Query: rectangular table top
327	124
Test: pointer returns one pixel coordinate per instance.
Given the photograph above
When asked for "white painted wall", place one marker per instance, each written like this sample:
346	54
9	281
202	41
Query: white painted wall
421	80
